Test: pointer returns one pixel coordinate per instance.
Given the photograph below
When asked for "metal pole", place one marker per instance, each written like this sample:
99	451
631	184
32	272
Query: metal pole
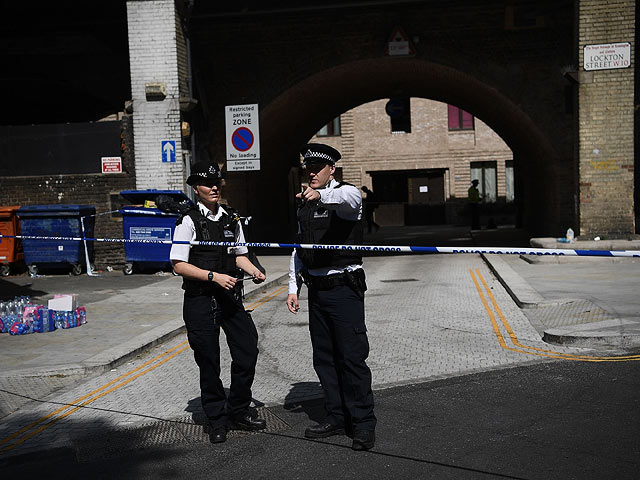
86	251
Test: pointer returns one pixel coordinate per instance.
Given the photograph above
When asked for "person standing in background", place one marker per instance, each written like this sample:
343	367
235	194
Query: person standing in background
474	199
370	204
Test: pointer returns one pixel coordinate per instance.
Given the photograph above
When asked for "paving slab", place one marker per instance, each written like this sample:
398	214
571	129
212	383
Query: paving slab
584	301
631	243
125	317
429	317
425	318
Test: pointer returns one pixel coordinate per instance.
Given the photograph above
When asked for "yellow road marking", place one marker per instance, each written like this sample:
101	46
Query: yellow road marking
515	341
40	420
73	404
529	349
267	298
84	404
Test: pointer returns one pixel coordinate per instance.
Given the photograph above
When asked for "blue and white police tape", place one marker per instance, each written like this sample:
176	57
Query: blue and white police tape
358	248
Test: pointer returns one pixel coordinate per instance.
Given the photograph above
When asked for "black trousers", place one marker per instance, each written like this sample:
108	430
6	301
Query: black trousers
475	215
204	338
340	349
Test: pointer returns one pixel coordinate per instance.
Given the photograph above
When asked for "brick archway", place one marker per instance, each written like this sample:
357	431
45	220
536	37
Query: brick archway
294	116
320	97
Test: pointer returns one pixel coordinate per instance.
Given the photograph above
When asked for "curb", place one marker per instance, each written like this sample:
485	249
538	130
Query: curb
116	356
517	287
624	333
613	244
105	361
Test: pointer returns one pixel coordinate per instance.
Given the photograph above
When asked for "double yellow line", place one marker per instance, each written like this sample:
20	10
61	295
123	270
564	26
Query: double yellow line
519	347
29	431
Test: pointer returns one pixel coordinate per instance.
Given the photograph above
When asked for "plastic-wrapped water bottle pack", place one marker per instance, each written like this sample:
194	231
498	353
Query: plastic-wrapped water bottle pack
20	316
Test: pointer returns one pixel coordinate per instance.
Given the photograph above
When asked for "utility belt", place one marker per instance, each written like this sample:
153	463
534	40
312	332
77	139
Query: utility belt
209	289
355	280
198	287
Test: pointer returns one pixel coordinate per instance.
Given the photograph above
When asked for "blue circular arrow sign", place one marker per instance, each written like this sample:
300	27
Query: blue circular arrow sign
242	139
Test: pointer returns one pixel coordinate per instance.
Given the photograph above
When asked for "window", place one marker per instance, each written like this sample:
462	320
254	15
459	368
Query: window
485	173
459	119
508	171
523	17
331	129
399	111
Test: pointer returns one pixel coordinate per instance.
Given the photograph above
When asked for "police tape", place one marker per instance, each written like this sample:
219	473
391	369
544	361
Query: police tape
355	248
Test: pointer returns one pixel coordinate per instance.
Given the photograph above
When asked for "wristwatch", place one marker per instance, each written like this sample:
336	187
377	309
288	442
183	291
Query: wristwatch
210	276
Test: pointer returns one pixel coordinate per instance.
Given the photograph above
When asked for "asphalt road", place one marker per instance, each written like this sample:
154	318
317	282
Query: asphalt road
556	420
520	415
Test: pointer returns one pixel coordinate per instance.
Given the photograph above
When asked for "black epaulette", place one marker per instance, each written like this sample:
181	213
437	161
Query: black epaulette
184	214
199	222
232	213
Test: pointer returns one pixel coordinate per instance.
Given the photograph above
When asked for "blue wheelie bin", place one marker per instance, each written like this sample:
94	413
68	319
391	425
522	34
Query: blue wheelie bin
145	221
56	221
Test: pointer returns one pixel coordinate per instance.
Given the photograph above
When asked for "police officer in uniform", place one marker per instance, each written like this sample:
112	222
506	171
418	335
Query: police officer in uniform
330	212
212	300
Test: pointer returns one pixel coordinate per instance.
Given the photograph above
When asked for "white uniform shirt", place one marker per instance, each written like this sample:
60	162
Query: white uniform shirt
346	201
186	232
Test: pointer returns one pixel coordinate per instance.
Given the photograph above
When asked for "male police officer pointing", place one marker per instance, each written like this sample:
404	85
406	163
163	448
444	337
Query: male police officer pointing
330	213
212	301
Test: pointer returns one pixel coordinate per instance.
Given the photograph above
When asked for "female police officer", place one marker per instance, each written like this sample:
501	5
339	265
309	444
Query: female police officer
331	213
212	301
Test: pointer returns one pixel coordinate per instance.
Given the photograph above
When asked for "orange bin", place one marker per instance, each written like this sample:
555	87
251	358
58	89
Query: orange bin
10	248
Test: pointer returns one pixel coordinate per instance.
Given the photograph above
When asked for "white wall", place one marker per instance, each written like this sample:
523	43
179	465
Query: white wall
153	58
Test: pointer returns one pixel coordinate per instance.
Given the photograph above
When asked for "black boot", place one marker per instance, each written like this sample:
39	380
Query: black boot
323	430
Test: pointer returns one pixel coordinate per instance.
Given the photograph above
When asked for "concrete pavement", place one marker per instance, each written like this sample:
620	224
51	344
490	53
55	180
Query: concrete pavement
123	325
576	300
125	317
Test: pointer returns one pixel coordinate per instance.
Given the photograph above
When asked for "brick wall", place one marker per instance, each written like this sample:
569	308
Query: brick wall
156	50
305	67
367	145
86	189
606	123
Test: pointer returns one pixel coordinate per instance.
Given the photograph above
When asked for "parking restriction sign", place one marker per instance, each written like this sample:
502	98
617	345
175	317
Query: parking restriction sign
243	137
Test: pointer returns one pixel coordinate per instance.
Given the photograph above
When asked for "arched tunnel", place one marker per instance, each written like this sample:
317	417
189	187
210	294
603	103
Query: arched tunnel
292	118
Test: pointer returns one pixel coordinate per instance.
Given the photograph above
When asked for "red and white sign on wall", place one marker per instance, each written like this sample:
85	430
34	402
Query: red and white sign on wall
399	44
111	164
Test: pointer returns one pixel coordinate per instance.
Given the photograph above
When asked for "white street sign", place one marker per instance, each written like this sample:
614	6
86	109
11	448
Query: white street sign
243	137
607	56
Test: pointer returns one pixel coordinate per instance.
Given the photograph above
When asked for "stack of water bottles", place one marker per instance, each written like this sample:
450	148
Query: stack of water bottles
20	316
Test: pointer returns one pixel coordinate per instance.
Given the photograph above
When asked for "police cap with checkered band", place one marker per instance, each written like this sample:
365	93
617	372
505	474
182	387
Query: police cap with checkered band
204	171
319	153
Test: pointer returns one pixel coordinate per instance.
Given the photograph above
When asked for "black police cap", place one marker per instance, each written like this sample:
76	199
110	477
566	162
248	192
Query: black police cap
204	171
319	153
